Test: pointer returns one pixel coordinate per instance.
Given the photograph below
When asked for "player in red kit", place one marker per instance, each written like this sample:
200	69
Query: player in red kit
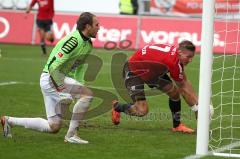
152	65
44	20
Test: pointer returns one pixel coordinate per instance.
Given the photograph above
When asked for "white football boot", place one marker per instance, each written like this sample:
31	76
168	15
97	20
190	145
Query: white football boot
6	127
75	140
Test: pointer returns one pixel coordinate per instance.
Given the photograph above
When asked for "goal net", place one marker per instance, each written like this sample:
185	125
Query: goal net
225	124
224	129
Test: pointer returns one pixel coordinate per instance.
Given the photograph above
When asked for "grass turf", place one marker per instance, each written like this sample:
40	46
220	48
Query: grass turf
140	138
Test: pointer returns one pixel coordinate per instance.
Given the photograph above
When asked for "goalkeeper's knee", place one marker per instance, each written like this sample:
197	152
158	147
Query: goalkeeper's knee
83	103
55	128
54	124
85	99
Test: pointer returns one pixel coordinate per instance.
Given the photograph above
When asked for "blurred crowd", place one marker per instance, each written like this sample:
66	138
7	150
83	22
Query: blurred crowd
14	4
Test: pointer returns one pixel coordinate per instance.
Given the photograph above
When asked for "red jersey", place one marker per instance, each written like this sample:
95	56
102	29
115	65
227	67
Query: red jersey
155	60
45	9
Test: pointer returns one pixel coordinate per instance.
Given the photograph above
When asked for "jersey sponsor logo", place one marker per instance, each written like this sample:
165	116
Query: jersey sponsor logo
42	3
70	45
60	54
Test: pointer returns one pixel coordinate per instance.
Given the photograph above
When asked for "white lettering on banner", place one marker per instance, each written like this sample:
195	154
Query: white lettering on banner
160	36
147	38
172	37
6	27
217	41
194	5
113	34
62	30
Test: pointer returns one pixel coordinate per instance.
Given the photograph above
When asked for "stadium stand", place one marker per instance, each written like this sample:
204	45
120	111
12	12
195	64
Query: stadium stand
14	4
21	4
7	4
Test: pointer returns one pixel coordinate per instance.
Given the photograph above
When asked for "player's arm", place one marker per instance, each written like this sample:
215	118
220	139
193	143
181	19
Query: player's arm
60	60
185	86
188	93
29	8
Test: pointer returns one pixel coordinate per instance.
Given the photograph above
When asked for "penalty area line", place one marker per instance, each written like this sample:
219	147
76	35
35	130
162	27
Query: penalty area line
14	83
9	83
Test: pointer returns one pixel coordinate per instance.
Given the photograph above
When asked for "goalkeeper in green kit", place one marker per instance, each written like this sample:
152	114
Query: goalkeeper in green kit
59	85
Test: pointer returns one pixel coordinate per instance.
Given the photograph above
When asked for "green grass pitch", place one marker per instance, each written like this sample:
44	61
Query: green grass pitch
135	138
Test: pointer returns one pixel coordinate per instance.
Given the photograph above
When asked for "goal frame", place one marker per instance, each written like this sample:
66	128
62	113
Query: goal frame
205	76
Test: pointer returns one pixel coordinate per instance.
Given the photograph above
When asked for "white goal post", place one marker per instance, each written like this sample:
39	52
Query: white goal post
219	136
205	77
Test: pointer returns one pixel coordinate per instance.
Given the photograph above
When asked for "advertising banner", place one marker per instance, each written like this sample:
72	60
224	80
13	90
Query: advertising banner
174	30
16	27
190	7
123	31
63	24
117	29
113	29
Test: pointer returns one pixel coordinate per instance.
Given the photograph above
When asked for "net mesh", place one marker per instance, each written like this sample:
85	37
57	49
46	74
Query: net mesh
225	124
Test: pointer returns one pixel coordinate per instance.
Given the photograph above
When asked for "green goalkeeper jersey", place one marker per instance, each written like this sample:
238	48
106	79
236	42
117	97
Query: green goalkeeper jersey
67	58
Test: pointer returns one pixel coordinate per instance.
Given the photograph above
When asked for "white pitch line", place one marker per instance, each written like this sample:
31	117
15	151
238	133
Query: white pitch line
221	149
22	59
194	156
14	83
9	83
